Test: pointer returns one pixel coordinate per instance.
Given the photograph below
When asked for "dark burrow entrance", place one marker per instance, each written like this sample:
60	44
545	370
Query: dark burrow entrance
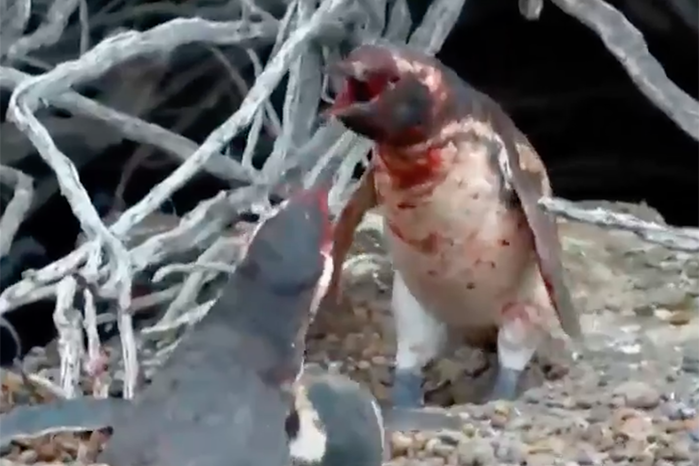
601	138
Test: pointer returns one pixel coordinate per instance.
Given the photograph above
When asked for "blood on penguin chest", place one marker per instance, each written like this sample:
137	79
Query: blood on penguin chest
454	240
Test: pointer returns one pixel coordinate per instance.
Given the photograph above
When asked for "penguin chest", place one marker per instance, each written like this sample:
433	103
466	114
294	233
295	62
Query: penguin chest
461	250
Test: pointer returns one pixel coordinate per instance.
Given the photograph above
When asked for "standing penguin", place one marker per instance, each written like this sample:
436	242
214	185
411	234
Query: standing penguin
458	185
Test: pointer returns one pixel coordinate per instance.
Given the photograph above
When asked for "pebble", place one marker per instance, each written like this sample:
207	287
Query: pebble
476	452
638	394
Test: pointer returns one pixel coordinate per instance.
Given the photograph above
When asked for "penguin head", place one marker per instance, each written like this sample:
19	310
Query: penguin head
335	422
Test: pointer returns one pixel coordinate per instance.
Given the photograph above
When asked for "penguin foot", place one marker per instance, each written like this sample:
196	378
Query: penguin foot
407	389
505	387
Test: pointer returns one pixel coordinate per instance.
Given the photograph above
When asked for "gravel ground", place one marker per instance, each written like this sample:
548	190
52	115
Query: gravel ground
631	400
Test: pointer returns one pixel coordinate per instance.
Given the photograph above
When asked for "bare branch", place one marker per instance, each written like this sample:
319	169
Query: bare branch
192	285
670	237
84	14
74	192
188	318
94	346
626	43
13	20
260	91
70	339
531	9
48	33
128	350
131	44
17	208
437	24
399	22
300	102
193	267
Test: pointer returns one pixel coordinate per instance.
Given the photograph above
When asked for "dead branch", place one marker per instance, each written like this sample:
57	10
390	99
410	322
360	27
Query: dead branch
438	23
48	33
170	269
16	209
626	43
94	346
531	9
193	283
677	239
70	340
13	20
134	128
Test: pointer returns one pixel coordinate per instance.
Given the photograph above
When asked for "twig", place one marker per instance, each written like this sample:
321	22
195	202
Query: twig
153	299
399	22
436	25
670	237
626	43
129	351
300	102
48	33
84	15
70	339
27	292
188	318
169	269
17	208
13	21
95	357
194	282
531	9
275	127
270	112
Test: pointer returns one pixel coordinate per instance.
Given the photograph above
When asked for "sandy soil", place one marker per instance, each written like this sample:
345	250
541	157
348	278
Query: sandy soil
631	399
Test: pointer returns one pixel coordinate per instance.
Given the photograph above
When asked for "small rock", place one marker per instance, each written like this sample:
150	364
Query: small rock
476	452
585	455
632	424
510	451
400	443
542	459
598	414
676	410
677	450
585	402
434	445
637	394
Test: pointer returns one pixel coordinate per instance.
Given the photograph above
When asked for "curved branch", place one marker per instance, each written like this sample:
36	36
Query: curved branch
626	43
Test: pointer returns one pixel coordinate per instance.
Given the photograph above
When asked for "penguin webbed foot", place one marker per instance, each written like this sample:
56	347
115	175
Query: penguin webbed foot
506	383
518	339
407	389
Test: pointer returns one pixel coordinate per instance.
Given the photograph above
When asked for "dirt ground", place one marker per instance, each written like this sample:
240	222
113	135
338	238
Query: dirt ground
630	400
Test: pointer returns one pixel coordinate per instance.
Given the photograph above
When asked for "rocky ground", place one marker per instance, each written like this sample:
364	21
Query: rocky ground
631	400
